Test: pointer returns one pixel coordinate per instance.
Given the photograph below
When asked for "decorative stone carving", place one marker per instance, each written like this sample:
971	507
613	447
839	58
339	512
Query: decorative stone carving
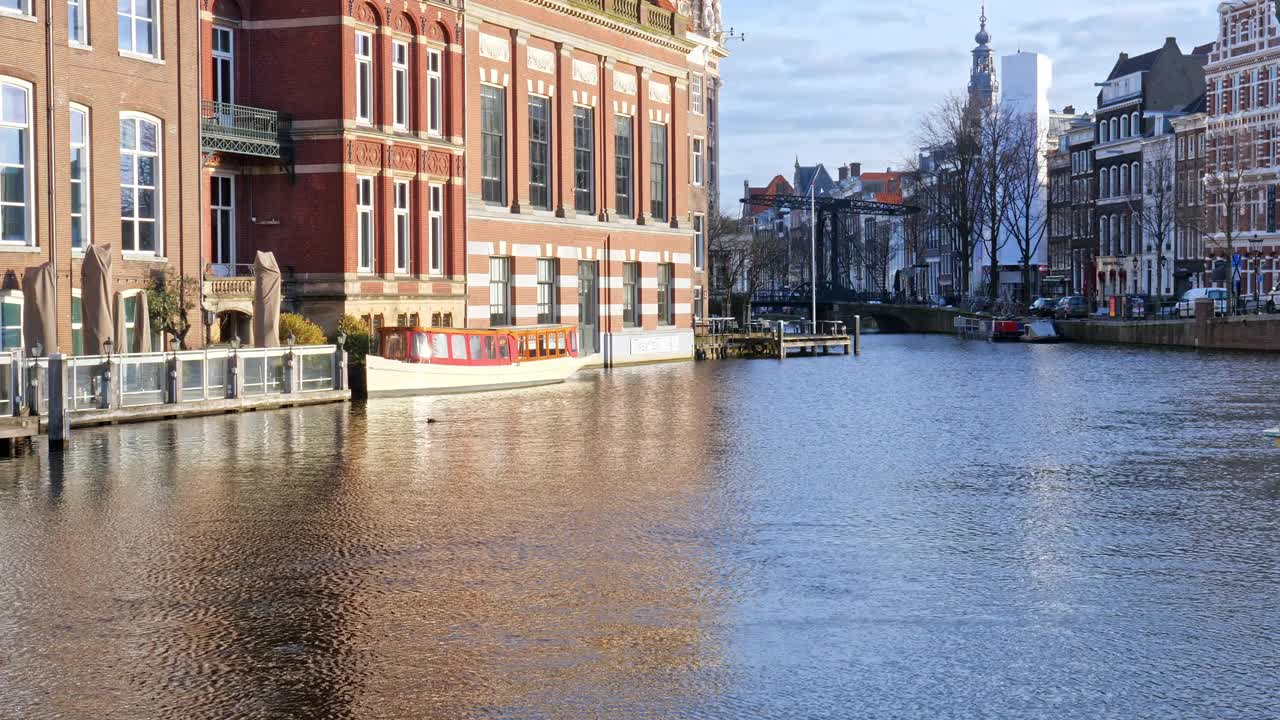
367	154
434	31
403	158
366	14
495	48
543	61
624	83
585	72
439	163
403	25
660	92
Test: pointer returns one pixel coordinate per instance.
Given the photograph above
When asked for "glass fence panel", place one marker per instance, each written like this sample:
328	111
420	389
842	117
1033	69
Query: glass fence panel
85	384
255	374
193	378
217	378
142	381
317	372
6	380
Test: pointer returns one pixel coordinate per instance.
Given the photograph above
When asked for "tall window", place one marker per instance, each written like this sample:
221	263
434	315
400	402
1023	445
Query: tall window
364	222
697	303
11	322
623	143
493	144
77	22
136	26
540	152
140	197
666	294
696	166
631	294
400	79
22	7
434	92
77	323
500	291
15	162
222	213
695	93
403	234
699	241
548	302
584	160
435	224
658	171
434	85
364	77
223	65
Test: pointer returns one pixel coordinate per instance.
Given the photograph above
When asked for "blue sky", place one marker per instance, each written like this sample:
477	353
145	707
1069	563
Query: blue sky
840	81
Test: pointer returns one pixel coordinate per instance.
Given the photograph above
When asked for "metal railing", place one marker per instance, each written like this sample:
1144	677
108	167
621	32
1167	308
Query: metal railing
637	12
227	127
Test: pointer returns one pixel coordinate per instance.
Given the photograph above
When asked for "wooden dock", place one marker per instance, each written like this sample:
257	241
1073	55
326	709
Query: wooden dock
718	341
16	432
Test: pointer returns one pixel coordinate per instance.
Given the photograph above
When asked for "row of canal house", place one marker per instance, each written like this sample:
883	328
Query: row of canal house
498	162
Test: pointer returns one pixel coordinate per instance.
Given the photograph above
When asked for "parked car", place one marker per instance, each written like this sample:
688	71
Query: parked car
1072	306
1044	307
1272	300
1186	307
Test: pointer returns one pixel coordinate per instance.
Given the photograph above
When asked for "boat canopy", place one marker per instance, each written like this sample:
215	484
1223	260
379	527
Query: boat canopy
450	346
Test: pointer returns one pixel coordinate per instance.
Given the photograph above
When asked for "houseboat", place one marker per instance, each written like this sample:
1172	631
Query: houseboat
438	361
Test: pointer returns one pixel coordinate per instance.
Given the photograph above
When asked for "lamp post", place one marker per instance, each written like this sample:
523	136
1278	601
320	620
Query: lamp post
813	248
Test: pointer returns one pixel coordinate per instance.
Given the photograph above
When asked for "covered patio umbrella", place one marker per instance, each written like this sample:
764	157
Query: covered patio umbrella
96	296
38	323
142	325
266	301
121	344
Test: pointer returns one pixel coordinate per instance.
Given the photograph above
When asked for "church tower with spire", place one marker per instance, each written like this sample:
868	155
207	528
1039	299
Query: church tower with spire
984	88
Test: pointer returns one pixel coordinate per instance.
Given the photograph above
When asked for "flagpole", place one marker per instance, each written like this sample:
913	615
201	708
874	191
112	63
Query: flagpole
813	248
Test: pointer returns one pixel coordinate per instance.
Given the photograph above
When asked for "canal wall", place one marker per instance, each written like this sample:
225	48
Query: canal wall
1254	332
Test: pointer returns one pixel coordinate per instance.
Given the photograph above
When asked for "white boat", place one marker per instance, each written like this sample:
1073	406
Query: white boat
440	361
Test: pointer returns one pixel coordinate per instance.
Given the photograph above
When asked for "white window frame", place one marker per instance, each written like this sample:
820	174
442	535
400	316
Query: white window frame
435	93
699	240
12	297
230	210
698	151
78	36
23	11
85	181
28	168
364	78
435	225
77	327
365	204
158	188
227	57
133	17
402	108
404	229
697	93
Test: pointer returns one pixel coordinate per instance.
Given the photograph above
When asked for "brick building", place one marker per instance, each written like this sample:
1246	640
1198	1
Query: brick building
1189	265
587	175
333	137
123	143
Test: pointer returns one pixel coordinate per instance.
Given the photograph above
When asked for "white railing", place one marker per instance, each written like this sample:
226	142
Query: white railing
98	383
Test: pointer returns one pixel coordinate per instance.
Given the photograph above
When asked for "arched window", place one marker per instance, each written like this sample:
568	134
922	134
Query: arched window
1104	133
1115	182
1115	129
15	163
141	185
1124	236
1135	124
1115	234
1124	126
1124	181
1136	182
1104	236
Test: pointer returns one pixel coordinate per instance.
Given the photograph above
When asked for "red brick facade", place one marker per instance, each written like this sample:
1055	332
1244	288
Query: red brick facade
93	75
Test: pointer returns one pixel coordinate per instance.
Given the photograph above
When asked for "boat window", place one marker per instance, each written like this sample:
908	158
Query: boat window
439	345
475	348
488	348
395	347
458	347
421	346
504	348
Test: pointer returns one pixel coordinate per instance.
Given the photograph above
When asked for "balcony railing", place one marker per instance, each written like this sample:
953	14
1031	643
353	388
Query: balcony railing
230	128
636	12
229	287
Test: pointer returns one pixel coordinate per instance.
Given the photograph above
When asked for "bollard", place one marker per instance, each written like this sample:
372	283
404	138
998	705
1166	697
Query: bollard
782	346
175	380
235	390
857	334
290	373
339	368
59	418
15	383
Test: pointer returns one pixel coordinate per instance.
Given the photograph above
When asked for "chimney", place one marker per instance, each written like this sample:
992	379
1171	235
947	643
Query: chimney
844	173
1124	56
1069	110
855	169
1171	41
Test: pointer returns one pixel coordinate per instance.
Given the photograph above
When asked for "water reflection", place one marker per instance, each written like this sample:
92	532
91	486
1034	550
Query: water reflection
933	530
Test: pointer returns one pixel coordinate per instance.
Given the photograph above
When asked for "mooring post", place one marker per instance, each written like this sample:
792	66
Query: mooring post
59	419
857	334
175	380
782	347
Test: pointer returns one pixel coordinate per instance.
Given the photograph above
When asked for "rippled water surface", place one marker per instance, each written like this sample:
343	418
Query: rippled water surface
933	530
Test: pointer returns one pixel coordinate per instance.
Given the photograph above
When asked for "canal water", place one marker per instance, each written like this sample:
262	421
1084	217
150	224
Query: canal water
937	529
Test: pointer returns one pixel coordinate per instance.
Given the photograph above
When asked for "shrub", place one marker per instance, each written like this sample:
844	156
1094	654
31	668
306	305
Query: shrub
303	330
358	338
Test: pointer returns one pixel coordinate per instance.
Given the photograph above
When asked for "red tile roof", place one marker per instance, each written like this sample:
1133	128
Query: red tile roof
777	186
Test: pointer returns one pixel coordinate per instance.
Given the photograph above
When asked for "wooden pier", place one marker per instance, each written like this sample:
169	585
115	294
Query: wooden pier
720	339
15	432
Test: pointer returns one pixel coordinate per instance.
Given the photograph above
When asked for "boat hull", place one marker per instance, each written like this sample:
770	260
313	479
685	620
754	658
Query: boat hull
392	378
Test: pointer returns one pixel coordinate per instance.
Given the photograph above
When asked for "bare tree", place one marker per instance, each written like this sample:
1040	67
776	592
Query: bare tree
878	253
1158	213
1227	198
1027	217
949	176
998	136
722	276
